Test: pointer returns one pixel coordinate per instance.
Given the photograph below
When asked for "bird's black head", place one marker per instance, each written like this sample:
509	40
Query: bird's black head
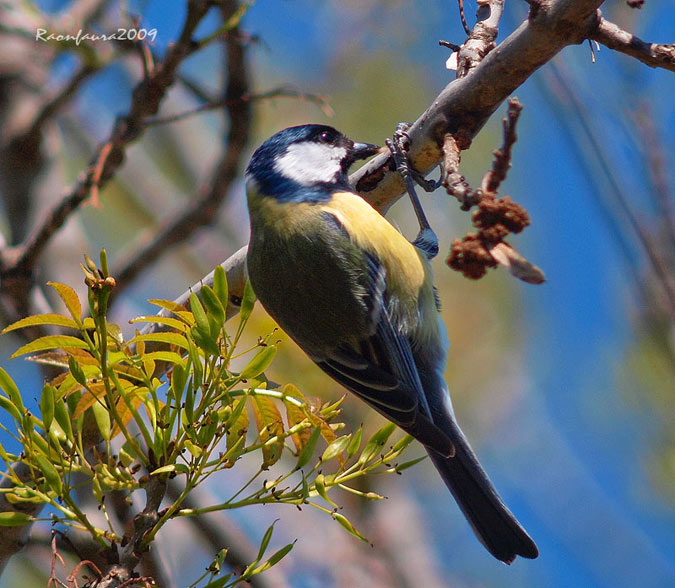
304	163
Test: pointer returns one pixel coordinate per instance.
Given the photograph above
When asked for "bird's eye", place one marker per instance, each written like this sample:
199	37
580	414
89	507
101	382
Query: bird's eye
325	137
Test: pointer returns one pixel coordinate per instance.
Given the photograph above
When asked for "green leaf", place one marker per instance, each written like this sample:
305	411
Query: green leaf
205	341
219	582
77	371
178	381
336	448
402	443
15	519
199	313
274	559
259	363
320	485
50	473
213	304
197	367
409	464
62	417
347	525
270	425
47	400
247	302
219	560
189	407
167	305
168	356
220	285
10	407
355	443
167	338
42	319
161	320
4	455
50	342
8	385
179	468
308	450
69	298
237	427
376	442
102	417
265	541
195	450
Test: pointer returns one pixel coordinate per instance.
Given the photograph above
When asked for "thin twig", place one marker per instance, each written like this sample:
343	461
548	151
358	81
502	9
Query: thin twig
146	99
203	210
653	149
651	54
54	104
494	218
282	92
500	167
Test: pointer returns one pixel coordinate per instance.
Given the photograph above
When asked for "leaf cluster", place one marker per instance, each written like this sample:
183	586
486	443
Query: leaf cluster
169	405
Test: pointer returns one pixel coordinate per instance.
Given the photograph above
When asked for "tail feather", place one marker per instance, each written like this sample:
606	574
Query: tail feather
494	524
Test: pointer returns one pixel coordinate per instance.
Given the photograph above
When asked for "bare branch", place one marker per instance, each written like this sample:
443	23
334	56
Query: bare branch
203	210
146	99
282	92
467	103
482	38
119	574
502	162
651	54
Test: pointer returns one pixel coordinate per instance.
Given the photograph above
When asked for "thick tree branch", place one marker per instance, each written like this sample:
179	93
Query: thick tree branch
651	54
464	106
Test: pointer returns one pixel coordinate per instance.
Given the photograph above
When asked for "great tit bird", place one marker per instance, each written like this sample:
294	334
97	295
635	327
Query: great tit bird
358	298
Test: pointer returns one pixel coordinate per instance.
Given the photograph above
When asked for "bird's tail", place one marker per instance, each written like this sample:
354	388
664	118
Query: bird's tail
491	520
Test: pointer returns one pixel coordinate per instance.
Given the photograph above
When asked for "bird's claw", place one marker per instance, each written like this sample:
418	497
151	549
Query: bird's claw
399	145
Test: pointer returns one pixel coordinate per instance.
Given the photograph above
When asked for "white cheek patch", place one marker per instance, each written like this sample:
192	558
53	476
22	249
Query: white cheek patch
309	163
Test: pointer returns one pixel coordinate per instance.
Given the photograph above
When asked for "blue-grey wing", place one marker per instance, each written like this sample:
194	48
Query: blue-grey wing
381	368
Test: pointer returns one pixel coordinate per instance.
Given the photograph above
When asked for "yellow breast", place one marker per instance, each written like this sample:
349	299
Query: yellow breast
406	268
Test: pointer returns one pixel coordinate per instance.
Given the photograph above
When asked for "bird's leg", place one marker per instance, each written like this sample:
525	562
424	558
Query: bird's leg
426	239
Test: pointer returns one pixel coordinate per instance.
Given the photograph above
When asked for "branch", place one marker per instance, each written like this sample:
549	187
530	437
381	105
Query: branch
122	573
145	102
482	38
218	531
202	211
651	54
464	105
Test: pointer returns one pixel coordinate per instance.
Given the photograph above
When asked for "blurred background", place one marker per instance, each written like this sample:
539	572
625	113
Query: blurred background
566	390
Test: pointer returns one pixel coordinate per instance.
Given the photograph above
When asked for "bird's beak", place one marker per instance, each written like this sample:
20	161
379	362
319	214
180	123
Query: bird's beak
362	151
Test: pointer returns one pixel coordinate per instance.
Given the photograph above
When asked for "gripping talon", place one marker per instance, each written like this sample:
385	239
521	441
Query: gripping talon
426	239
